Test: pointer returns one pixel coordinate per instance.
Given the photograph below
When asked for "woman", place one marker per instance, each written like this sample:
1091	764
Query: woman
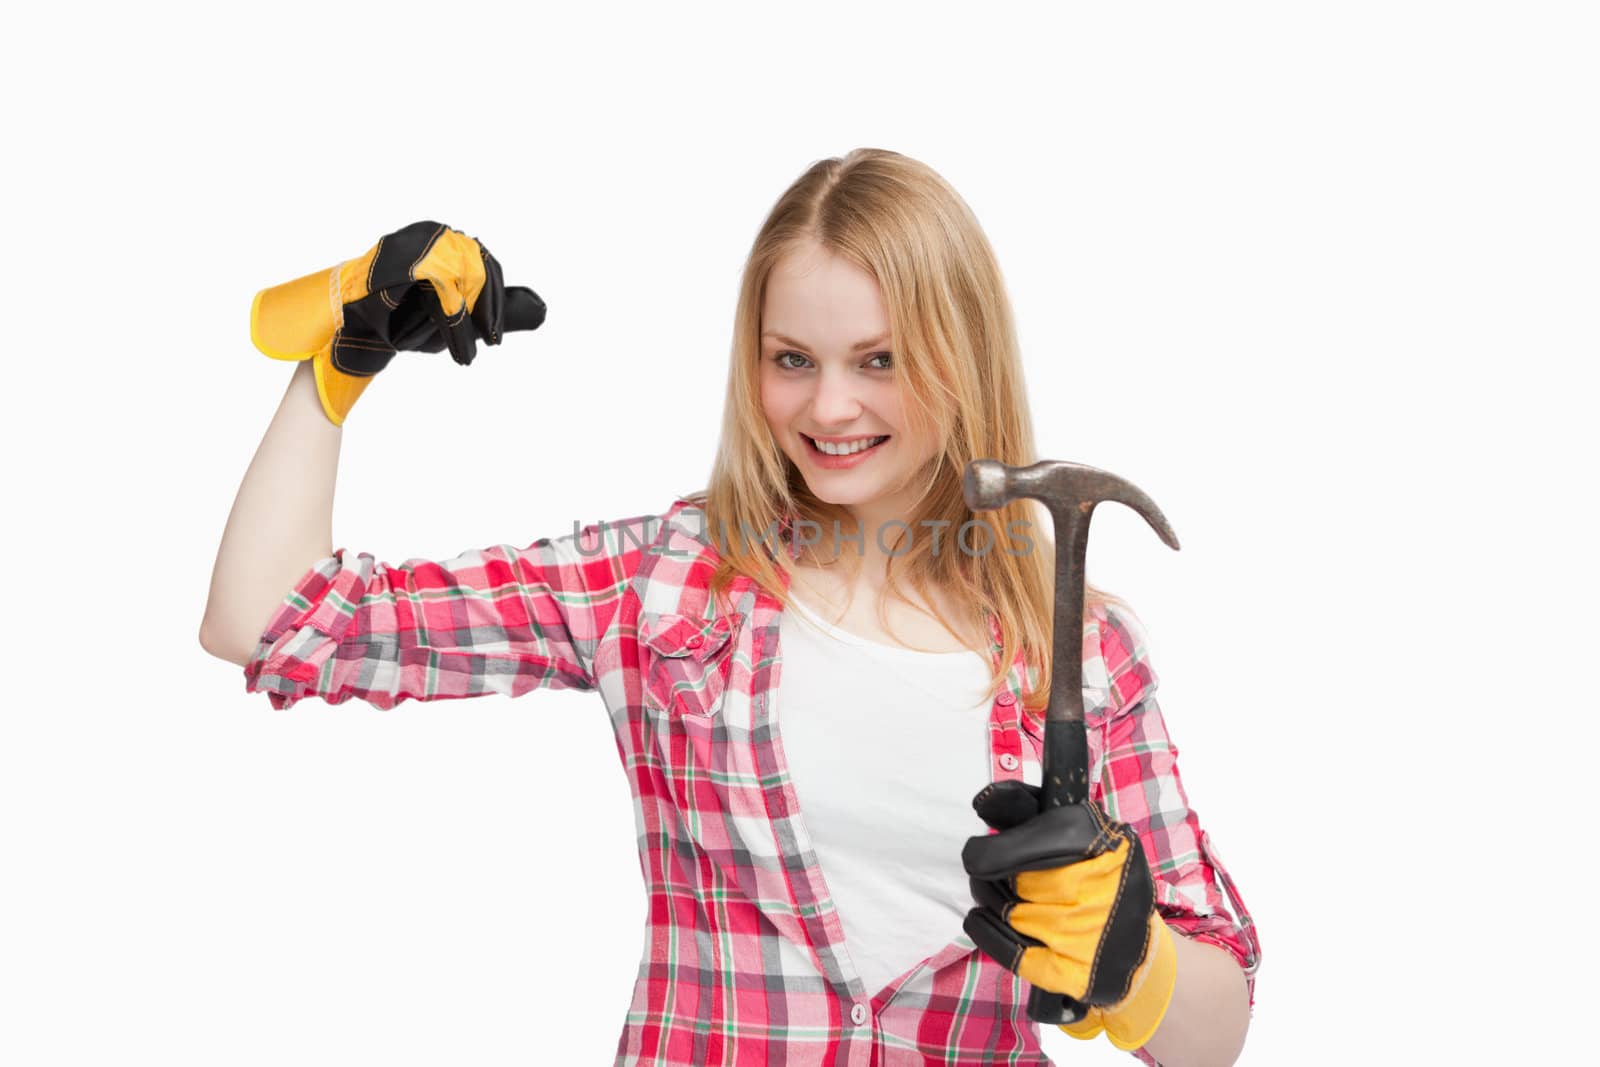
875	357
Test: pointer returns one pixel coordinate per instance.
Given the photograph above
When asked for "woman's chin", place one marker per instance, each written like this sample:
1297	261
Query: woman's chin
843	495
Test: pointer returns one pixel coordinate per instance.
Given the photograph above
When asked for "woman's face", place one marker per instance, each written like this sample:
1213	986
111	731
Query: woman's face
827	373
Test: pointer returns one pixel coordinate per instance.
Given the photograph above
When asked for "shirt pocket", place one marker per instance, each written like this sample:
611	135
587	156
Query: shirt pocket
688	662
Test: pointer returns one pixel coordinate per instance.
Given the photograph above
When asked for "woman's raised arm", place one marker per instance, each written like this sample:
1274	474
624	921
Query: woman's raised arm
281	522
305	620
422	288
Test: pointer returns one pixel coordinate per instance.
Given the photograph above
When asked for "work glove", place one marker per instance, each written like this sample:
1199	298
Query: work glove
420	289
1065	900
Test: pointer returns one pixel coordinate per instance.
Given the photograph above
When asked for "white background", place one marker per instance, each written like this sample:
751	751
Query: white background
1320	280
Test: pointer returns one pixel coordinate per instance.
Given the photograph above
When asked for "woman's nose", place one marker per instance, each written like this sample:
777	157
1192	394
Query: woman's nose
835	402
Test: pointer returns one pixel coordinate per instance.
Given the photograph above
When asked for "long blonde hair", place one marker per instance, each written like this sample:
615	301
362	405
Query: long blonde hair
957	363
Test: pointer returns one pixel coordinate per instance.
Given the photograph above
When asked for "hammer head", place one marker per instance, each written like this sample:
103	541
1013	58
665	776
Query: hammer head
1065	488
986	485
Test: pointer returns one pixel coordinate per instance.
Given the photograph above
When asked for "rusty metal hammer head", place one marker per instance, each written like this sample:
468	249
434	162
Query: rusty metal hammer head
1070	491
1062	487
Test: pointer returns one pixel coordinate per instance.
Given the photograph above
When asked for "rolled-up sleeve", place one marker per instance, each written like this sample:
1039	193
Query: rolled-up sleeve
493	620
1141	787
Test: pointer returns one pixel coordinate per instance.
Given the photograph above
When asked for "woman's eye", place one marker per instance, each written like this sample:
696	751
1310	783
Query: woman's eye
780	358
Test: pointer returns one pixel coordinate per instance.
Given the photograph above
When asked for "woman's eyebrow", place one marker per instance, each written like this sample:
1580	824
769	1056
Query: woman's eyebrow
857	347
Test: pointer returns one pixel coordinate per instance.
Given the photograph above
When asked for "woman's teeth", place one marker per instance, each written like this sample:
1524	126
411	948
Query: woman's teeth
846	449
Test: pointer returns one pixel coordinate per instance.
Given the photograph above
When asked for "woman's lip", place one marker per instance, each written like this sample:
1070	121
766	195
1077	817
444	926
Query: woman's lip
828	461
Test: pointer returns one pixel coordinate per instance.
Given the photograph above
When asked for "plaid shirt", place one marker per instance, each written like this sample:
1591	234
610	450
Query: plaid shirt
756	970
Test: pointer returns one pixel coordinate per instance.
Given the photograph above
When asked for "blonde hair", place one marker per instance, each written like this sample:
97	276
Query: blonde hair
957	363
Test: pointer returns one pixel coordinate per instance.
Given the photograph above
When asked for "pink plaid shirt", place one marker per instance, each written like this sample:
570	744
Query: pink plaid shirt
754	969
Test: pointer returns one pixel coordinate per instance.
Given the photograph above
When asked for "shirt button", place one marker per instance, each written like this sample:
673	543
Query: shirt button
1007	697
696	641
858	1014
1008	761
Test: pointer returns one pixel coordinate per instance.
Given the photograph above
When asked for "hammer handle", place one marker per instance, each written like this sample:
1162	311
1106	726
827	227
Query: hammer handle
1064	780
1065	770
1065	777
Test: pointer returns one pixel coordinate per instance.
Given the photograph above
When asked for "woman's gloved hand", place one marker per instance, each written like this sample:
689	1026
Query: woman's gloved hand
1066	901
420	289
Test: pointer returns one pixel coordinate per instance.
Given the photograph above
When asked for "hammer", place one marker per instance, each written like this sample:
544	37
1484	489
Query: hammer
1070	491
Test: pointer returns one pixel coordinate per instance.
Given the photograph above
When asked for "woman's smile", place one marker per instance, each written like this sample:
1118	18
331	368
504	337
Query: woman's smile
842	453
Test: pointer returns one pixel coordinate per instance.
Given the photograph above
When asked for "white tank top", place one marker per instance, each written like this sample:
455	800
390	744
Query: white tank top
885	748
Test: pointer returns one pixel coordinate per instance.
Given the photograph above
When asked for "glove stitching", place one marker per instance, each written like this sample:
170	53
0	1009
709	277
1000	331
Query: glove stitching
1105	837
377	250
337	304
335	296
494	331
1116	904
1136	972
412	270
383	294
1100	944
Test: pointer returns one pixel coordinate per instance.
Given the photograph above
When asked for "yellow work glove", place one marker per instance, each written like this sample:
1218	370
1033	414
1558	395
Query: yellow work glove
420	289
1132	1021
1065	900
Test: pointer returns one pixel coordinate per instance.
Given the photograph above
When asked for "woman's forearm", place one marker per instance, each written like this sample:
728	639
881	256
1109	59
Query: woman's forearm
1206	1021
281	522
